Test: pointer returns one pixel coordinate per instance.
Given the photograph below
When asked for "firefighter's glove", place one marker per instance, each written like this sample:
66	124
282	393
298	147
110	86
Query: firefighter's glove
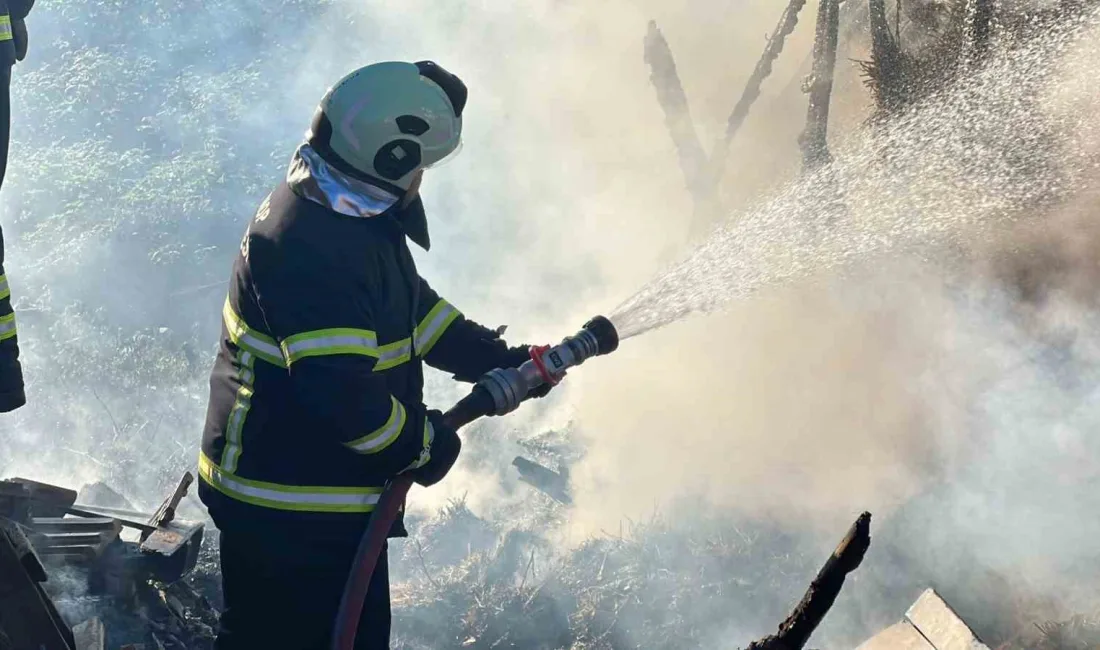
444	452
17	11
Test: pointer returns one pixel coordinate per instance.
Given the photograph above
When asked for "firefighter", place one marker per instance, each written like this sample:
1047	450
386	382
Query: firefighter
316	396
13	47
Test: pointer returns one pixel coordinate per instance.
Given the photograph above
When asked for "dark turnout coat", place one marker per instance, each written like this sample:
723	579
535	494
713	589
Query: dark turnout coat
316	396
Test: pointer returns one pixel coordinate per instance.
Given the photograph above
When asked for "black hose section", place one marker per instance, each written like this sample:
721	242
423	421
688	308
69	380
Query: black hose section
5	119
478	403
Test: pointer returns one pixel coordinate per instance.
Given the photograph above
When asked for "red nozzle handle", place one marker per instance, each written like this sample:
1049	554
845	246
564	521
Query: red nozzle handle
536	352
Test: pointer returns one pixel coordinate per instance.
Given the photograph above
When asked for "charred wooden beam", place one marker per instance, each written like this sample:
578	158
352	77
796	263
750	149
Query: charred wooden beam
543	479
787	22
702	172
673	101
28	618
796	630
814	139
885	71
979	16
167	510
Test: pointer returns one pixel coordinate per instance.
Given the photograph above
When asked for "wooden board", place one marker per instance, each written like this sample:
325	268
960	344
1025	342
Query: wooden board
938	623
27	616
900	636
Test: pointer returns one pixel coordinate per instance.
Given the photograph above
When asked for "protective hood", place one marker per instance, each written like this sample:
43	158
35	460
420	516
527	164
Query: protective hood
313	179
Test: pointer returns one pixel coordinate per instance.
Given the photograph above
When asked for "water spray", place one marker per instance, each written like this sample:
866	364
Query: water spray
498	392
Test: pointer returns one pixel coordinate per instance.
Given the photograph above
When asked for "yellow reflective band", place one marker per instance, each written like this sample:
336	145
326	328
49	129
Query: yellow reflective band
426	451
383	436
246	338
337	340
433	325
288	497
7	327
234	429
394	354
5	291
5	27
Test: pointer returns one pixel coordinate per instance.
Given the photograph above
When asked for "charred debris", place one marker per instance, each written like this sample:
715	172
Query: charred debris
119	572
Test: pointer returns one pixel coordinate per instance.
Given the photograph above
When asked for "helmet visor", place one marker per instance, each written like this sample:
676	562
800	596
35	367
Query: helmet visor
445	159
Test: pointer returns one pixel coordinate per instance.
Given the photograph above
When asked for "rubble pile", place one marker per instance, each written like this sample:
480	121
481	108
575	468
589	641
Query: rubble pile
84	576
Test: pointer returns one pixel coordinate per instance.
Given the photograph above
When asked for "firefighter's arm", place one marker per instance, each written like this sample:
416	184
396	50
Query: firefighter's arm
449	341
352	403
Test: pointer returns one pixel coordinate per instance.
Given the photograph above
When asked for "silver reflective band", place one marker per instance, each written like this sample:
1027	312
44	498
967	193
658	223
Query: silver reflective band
330	341
426	451
288	497
394	354
431	328
384	436
245	337
235	427
7	327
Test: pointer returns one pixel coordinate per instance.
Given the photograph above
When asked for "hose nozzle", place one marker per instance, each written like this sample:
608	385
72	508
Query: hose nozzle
510	386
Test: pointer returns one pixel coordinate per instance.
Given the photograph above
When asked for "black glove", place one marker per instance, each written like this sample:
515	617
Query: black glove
444	452
18	10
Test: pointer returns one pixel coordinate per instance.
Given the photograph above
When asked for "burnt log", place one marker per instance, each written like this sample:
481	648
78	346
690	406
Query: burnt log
796	630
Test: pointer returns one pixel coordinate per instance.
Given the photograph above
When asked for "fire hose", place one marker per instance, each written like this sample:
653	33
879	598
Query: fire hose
498	392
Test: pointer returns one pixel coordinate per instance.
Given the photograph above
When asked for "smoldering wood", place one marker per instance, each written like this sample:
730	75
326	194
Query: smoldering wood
814	138
702	173
796	630
544	479
674	104
787	22
979	14
28	618
886	60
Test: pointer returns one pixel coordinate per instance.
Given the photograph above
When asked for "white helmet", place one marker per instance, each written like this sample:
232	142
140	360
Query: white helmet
388	120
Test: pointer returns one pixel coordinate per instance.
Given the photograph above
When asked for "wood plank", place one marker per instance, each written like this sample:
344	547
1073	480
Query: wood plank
48	500
30	620
167	510
935	619
51	525
900	636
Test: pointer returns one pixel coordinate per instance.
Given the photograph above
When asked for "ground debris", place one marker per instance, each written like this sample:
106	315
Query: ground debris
96	586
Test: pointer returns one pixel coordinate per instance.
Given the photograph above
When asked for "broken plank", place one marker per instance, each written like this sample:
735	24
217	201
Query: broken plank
57	525
939	623
27	615
900	636
47	500
167	510
543	479
129	520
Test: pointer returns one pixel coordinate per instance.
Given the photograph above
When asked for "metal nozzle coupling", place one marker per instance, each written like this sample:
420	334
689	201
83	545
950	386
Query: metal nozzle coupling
510	386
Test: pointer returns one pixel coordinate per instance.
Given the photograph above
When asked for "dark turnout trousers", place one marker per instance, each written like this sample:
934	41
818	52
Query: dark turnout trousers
282	592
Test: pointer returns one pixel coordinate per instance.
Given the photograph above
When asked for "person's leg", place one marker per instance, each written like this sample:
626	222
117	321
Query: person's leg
276	595
282	593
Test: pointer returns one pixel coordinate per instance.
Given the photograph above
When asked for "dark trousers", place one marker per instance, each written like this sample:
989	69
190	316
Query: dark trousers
282	591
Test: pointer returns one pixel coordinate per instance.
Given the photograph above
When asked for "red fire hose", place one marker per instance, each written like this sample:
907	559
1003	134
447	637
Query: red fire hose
470	408
546	366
